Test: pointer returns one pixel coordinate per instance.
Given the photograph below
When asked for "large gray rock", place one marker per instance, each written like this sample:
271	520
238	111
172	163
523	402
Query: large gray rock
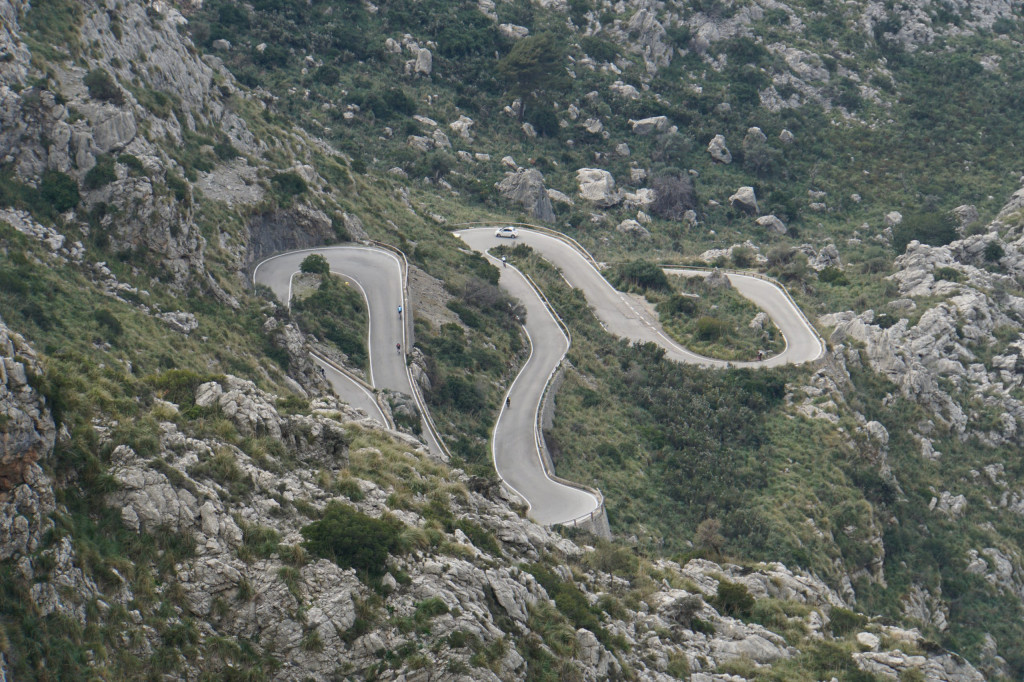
773	223
634	229
526	188
648	126
718	151
744	200
598	187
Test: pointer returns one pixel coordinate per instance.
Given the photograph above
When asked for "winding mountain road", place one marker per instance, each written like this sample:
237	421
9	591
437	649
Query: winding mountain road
380	275
516	443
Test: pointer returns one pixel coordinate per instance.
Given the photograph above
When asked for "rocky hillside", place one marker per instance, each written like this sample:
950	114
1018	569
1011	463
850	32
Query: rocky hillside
458	583
182	495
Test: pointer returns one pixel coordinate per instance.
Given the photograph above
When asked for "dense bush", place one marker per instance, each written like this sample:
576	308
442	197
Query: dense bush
101	86
844	621
288	184
733	599
316	264
353	539
109	322
934	229
598	49
59	191
641	274
101	174
674	194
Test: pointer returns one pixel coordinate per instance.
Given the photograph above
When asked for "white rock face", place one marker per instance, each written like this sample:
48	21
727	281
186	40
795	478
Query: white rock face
598	187
718	151
893	218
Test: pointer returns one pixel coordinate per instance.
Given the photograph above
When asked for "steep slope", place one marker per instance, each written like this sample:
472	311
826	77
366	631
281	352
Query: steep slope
180	494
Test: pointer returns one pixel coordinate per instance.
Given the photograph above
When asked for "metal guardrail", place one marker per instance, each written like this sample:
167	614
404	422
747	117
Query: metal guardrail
390	422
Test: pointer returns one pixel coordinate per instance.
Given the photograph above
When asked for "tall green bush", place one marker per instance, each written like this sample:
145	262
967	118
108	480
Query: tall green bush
352	539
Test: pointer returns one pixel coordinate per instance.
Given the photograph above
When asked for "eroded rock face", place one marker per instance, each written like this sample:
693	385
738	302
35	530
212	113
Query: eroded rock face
27	435
526	188
287	229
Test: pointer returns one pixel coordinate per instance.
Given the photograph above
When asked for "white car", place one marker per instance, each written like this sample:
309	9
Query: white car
507	232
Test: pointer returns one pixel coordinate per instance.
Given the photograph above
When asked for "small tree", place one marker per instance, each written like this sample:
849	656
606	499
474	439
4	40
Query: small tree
709	536
315	264
674	194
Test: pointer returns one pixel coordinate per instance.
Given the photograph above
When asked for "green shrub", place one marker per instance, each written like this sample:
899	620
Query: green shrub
132	162
711	328
315	264
599	49
936	229
642	274
844	621
260	541
327	75
179	385
353	539
993	252
102	86
733	599
834	276
101	174
949	274
108	321
59	191
288	184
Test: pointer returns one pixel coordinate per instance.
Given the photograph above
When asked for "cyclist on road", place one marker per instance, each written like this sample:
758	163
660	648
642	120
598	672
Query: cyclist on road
398	347
399	311
508	402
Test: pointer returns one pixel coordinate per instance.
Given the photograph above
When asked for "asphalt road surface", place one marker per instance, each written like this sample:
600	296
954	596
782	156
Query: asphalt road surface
515	443
377	273
516	450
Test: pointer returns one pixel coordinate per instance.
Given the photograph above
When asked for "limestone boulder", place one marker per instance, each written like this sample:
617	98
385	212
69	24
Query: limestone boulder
718	151
525	187
745	200
598	187
651	125
772	223
634	229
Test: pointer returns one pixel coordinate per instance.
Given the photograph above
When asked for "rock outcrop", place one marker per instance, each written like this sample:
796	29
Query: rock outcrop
598	187
526	188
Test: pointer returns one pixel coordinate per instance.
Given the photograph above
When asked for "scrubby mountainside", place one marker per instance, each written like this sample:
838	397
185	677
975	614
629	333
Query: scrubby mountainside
182	495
